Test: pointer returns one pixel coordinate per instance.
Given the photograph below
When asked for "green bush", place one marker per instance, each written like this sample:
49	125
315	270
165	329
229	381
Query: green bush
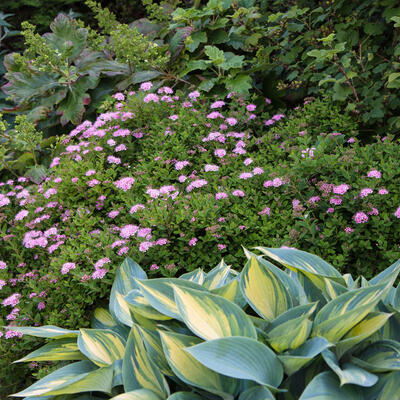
349	48
309	331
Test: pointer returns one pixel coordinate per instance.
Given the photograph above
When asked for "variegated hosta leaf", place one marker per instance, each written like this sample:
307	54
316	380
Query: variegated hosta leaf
210	316
264	290
102	319
257	393
184	396
388	275
140	371
57	350
124	282
382	356
368	326
140	394
340	315
294	360
139	304
82	376
46	331
326	386
190	371
217	277
292	328
386	388
196	276
101	346
231	291
349	373
314	267
241	358
160	294
334	289
152	342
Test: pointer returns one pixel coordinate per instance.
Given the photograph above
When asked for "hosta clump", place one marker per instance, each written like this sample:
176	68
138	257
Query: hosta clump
269	332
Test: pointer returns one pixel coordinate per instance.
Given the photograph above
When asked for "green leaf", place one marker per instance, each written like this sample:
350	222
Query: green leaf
294	360
124	282
82	376
394	80
193	65
241	358
325	386
232	61
194	40
184	396
210	316
101	346
60	349
257	393
241	83
192	372
387	387
140	371
46	331
37	174
350	374
140	394
264	290
214	54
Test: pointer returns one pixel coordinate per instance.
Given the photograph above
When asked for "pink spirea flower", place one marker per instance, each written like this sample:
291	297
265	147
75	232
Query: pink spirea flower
154	267
348	230
211	168
181	164
113	160
21	215
397	213
99	273
231	121
258	171
12	300
365	192
119	96
198	183
251	107
215	115
49	192
221	247
182	178
217	104
4	200
90	172
3	265
373	211
144	246
194	95
266	211
120	147
41	305
193	241
151	97
238	193
93	182
136	208
341	189
113	214
100	263
374	174
383	191
128	230
153	193
55	162
314	199
360	218
67	267
173	117
330	210
247	161
335	200
145	86
124	183
220	153
245	175
220	196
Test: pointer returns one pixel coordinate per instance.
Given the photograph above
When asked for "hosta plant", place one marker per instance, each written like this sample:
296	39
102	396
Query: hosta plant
296	331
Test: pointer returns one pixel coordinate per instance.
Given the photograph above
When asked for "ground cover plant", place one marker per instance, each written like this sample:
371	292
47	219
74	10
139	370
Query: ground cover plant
178	182
296	331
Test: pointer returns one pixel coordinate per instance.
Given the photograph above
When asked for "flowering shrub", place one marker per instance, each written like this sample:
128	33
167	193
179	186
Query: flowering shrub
177	184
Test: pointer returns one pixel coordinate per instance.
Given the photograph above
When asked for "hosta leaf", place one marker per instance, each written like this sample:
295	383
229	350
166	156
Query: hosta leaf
102	319
350	373
123	283
140	394
325	386
152	342
264	290
82	376
241	358
231	291
184	396
387	387
382	356
336	318
217	277
117	378
369	325
101	346
159	293
387	275
334	289
139	304
196	276
60	349
210	316
314	267
140	371
257	393
189	370
294	360
46	331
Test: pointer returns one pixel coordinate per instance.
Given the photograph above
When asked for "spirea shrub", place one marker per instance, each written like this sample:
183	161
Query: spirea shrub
178	183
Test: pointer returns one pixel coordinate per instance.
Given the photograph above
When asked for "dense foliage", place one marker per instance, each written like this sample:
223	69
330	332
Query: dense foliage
176	182
265	333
